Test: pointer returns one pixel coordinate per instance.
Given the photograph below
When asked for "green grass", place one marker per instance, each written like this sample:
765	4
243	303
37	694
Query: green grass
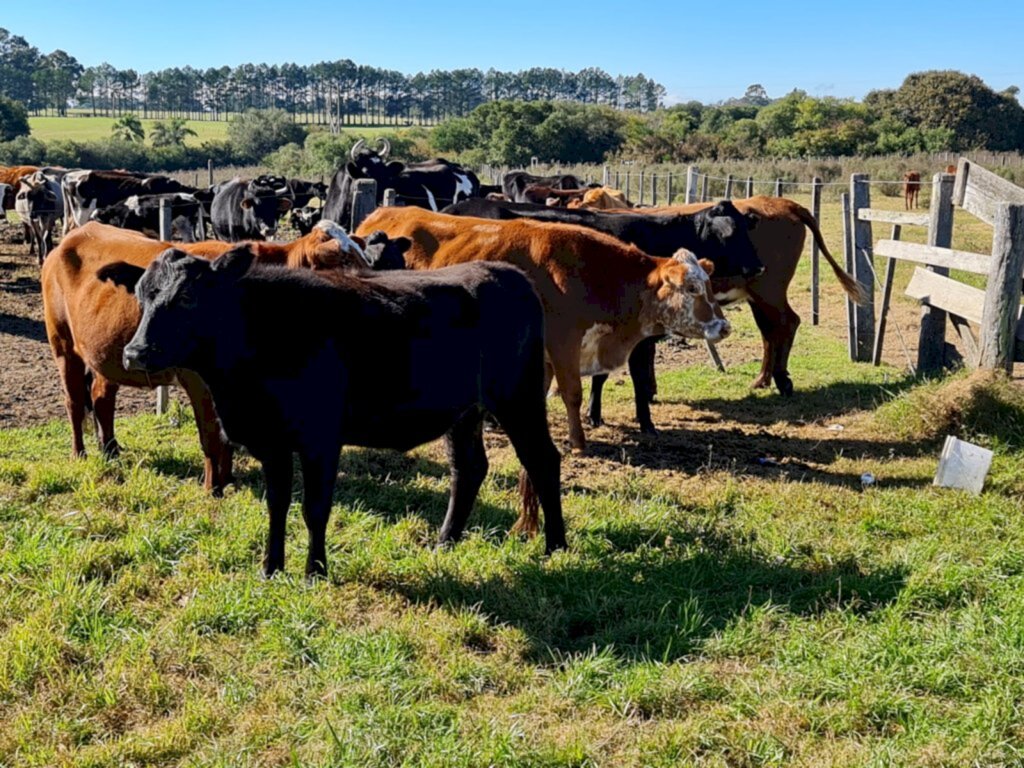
707	613
93	128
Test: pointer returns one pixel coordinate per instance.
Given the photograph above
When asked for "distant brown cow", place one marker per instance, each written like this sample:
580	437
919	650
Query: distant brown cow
951	169
911	189
541	195
89	321
602	199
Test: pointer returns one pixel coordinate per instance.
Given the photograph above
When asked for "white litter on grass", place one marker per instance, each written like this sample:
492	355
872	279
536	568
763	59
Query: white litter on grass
963	465
867	480
835	427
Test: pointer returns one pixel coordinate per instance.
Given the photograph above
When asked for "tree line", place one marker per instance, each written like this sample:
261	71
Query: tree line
332	93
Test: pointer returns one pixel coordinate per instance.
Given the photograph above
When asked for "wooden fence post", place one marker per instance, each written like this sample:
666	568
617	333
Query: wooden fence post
851	318
163	394
750	186
883	312
605	176
778	187
692	172
668	189
209	170
617	179
728	186
364	201
704	188
626	189
654	188
931	347
815	260
998	328
640	188
390	198
863	265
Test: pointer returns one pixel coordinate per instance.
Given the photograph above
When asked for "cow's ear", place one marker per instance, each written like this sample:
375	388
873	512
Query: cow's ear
121	273
352	170
752	219
395	167
247	203
284	205
401	244
708	266
233	264
717	210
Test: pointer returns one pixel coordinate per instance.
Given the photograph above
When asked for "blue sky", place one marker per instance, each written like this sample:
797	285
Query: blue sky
706	51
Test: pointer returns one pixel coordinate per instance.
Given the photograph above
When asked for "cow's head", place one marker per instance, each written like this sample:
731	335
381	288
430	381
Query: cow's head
364	163
724	235
383	252
262	205
684	303
182	300
37	197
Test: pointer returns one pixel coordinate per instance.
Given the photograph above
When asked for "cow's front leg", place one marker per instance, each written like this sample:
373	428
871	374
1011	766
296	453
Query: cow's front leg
277	473
319	473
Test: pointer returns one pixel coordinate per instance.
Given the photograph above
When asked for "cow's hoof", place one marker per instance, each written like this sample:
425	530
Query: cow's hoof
578	450
112	450
598	422
648	429
550	547
785	387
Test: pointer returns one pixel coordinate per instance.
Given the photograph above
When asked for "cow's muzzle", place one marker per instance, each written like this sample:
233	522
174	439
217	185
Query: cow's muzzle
717	330
135	359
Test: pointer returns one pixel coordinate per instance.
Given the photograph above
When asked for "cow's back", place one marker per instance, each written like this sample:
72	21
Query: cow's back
576	270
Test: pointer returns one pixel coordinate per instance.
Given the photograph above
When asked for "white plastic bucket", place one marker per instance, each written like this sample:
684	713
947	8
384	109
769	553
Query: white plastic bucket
963	465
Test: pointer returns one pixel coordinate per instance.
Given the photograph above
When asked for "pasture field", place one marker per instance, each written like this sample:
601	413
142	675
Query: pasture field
732	595
93	128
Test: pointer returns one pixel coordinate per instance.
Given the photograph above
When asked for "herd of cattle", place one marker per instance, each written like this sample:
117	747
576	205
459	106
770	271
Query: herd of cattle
459	302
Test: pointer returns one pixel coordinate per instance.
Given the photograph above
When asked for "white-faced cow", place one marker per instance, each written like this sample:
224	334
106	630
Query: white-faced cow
39	203
431	184
309	377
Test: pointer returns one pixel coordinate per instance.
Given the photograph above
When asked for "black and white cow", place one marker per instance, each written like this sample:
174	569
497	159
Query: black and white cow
431	184
244	209
515	183
39	203
88	191
142	214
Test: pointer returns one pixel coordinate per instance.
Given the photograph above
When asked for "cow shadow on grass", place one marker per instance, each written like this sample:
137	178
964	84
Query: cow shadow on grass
651	599
830	401
758	453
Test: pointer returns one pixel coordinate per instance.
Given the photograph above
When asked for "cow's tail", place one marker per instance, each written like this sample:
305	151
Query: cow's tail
529	518
854	289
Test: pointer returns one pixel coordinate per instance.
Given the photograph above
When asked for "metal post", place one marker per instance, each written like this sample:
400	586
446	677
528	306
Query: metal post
728	186
640	188
691	183
778	187
390	198
750	186
704	188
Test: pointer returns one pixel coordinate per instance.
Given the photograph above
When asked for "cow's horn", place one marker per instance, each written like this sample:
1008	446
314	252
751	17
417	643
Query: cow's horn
355	149
387	148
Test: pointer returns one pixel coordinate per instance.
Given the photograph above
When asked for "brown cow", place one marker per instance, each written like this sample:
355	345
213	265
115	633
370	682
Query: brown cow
89	321
600	295
778	239
602	199
911	189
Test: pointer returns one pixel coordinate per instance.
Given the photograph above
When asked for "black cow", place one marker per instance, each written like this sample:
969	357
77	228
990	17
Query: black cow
514	184
249	210
720	234
381	252
303	192
309	377
142	214
87	191
431	184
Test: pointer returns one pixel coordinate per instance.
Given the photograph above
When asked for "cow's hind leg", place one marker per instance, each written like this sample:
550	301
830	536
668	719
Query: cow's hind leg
468	466
277	474
787	334
319	473
641	371
527	429
767	322
216	450
104	400
594	405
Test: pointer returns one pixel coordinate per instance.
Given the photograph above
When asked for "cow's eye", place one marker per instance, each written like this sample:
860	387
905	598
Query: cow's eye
694	288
